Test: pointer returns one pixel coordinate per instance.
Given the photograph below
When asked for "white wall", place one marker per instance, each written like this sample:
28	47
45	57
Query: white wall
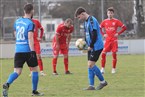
125	47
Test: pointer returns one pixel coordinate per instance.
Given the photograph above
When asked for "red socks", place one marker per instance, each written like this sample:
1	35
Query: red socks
66	64
103	60
114	61
40	64
54	62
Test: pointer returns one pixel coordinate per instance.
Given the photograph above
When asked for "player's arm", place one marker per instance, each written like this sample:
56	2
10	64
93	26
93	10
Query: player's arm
101	29
69	36
14	29
94	32
41	30
31	40
30	36
57	41
94	38
69	39
123	28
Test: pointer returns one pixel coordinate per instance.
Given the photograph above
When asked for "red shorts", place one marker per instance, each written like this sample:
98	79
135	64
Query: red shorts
111	46
37	47
62	50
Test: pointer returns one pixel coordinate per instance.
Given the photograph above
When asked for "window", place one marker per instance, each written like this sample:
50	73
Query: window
50	27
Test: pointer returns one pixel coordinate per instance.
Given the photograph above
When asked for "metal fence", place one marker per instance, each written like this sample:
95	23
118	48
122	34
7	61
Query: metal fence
12	9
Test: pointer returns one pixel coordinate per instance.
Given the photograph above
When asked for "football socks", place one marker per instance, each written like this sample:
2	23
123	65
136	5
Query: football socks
97	72
35	79
91	76
12	77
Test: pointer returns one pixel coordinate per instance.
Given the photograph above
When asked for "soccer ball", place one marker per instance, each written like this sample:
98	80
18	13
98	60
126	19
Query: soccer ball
80	44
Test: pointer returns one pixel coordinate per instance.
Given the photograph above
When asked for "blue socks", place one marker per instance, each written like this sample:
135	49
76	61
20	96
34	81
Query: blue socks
91	76
34	80
97	72
12	77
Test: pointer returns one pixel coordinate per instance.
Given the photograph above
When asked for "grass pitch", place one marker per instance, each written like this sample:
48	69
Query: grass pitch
127	82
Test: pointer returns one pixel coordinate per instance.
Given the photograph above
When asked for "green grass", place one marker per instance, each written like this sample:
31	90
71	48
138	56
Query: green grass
127	82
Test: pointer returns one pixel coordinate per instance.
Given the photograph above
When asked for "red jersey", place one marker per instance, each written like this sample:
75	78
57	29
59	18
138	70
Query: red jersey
111	26
37	27
62	32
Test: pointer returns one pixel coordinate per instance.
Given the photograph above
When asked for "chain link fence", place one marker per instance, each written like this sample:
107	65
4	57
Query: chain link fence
54	12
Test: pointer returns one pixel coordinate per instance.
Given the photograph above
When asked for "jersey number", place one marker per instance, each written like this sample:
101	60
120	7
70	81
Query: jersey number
20	33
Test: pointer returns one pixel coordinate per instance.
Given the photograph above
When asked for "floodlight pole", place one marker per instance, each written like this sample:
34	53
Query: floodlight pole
39	10
102	7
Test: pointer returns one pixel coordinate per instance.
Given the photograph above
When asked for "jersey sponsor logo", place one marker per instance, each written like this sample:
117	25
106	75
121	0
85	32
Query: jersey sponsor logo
21	42
110	28
21	22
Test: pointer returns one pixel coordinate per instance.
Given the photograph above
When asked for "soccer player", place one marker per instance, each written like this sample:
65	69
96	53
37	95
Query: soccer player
110	26
61	42
37	40
24	51
94	41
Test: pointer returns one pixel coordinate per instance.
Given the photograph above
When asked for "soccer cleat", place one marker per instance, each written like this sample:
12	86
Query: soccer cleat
55	73
101	85
90	88
113	70
42	73
5	89
36	93
68	72
102	70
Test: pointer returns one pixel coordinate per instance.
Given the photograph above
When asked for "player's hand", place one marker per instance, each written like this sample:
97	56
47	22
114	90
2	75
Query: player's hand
39	39
105	35
116	35
57	47
89	48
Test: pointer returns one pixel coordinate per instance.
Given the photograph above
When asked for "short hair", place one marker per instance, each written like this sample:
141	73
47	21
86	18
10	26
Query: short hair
79	10
110	9
69	20
28	8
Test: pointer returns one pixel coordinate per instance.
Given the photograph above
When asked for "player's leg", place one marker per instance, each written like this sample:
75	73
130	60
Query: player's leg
91	76
40	63
103	62
19	60
33	64
114	56
93	57
39	60
54	61
64	51
107	47
114	62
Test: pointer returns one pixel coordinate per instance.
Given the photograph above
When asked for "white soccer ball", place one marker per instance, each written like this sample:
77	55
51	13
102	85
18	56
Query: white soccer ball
80	44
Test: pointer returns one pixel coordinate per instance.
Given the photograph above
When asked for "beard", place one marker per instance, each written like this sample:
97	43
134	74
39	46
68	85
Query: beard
32	16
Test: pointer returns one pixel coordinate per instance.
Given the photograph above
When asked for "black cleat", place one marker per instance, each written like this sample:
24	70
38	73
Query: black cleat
101	85
68	72
36	93
5	89
89	88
